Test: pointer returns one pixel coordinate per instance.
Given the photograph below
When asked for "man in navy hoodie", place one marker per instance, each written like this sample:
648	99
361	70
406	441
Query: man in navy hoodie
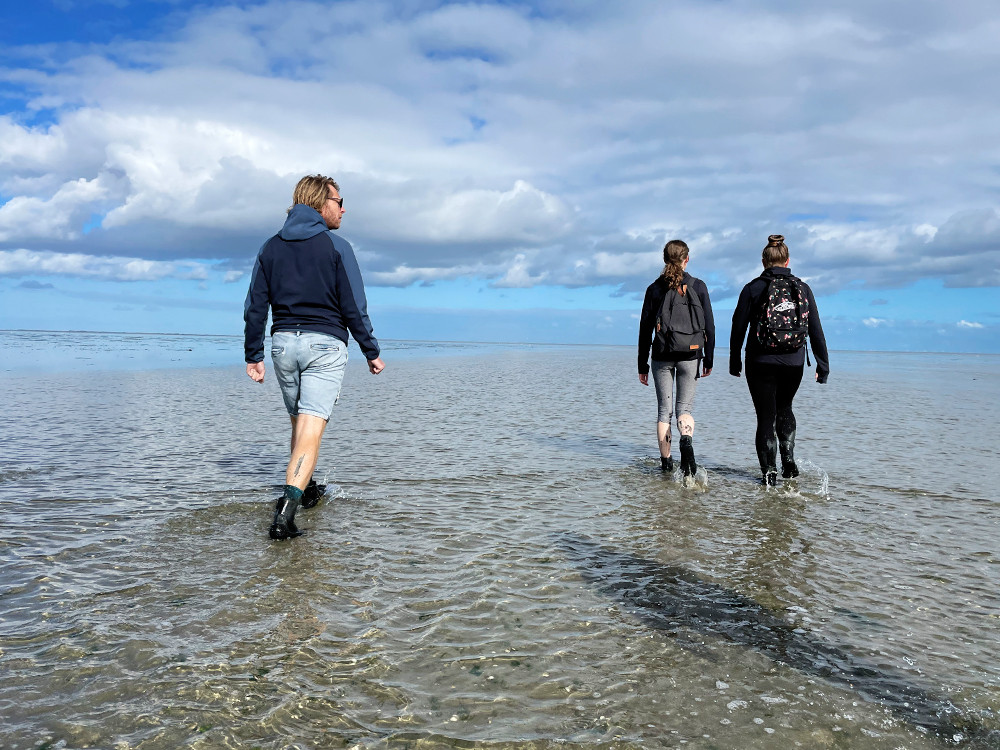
310	279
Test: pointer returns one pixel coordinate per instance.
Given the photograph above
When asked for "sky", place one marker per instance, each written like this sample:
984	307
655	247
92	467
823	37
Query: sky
510	171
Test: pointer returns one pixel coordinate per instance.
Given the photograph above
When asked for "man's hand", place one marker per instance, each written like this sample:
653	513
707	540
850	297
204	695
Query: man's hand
256	371
375	366
644	378
706	372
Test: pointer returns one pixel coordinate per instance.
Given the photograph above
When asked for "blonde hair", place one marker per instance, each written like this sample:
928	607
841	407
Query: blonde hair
776	252
313	190
674	253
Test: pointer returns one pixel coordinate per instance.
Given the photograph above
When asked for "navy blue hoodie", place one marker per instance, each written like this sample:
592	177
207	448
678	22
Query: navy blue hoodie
311	280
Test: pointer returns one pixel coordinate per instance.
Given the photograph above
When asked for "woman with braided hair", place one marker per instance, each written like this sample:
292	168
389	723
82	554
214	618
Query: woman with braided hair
776	354
675	368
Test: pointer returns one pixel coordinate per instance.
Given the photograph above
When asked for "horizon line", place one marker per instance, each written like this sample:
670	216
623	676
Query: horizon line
461	341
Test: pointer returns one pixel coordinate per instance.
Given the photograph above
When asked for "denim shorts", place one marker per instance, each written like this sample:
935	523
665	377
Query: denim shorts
310	370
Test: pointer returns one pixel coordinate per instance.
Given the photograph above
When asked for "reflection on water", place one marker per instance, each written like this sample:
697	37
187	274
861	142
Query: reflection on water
498	563
671	598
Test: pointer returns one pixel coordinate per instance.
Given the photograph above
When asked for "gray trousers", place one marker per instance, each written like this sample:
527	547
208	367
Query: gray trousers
664	375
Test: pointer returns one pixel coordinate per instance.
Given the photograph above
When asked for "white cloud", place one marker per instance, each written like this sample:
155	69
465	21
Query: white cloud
404	275
518	275
875	322
616	266
30	262
530	148
435	213
60	216
969	324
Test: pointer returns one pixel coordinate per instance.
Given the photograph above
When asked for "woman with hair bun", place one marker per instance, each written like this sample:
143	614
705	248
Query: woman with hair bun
676	358
782	309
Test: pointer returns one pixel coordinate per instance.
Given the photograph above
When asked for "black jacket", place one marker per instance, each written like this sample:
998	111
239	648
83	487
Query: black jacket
746	313
655	293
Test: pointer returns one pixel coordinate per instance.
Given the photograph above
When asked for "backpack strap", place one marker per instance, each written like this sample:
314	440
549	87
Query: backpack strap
659	316
802	295
762	299
701	350
673	298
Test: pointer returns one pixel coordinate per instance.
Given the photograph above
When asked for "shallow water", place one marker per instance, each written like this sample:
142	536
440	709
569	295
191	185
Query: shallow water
499	561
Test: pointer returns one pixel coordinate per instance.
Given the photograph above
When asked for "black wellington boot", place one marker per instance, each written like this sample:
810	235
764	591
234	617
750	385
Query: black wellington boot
688	465
283	526
666	463
312	493
787	448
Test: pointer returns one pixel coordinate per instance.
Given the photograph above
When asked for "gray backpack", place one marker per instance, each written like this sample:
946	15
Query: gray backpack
680	326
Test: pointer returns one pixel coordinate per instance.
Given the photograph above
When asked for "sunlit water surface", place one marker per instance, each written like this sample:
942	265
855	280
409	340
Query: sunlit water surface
499	561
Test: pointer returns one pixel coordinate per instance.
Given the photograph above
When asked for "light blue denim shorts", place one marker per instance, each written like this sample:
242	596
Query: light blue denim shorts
310	370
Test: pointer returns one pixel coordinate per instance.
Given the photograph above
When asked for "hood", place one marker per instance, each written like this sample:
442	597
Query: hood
302	223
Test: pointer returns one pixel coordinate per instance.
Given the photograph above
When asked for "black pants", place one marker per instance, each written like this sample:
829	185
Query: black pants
772	388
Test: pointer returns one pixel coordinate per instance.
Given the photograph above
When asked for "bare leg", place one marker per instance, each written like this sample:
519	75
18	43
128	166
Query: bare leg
685	425
307	433
663	438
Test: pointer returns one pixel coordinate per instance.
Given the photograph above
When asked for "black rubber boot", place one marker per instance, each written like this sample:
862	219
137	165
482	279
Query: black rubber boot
770	478
283	526
787	448
688	465
312	493
667	463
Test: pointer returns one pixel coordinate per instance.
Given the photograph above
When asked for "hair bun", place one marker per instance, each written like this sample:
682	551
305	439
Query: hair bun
773	240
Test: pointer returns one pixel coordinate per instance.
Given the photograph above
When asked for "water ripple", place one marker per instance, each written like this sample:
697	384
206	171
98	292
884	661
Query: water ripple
434	602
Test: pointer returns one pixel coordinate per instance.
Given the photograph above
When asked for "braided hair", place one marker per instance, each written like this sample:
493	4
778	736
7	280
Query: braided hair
675	253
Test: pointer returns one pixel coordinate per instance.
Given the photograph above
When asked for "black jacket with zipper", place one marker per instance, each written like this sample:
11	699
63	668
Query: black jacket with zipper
655	294
745	316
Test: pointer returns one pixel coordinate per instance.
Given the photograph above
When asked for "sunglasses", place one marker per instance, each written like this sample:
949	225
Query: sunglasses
338	201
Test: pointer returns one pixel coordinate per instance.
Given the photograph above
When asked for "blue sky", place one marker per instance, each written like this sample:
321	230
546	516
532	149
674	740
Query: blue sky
510	171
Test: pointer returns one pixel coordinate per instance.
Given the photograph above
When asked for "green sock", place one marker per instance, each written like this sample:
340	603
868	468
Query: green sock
292	492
